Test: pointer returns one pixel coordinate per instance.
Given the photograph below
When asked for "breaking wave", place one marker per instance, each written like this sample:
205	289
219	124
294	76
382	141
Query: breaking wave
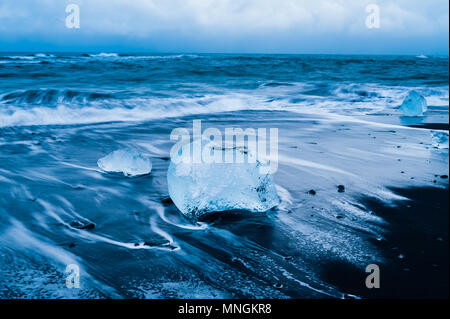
52	106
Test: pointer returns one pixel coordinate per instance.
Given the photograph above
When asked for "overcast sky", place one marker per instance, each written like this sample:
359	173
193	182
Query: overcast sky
241	26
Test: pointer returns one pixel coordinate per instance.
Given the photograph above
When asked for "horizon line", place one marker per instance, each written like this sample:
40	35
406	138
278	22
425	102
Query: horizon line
223	53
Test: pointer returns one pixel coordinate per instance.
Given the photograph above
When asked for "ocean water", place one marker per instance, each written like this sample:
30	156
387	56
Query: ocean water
338	122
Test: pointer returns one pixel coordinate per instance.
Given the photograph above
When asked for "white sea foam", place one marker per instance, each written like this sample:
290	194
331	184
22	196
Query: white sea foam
44	55
104	55
84	110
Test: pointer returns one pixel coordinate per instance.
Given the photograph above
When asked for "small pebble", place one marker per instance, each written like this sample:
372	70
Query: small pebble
167	201
78	225
278	286
88	226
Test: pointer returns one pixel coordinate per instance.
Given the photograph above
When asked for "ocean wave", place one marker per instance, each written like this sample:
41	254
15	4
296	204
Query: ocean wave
121	57
104	55
44	55
27	56
62	114
19	57
51	106
51	96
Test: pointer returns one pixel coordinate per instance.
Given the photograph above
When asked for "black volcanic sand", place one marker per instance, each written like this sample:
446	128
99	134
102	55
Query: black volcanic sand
416	249
432	126
130	240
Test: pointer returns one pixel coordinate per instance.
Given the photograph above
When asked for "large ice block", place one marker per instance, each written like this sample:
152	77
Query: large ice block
128	161
414	104
201	187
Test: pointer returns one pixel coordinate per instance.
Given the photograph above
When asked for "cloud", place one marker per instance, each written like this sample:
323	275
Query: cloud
164	23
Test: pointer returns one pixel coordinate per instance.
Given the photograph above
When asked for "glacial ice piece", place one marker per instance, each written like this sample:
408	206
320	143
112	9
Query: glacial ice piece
203	186
414	104
128	161
439	139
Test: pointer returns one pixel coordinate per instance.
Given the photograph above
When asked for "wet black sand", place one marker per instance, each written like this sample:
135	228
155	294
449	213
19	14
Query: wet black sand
415	247
432	126
57	207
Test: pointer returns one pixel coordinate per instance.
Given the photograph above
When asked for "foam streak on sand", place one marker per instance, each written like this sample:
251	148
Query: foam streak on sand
296	162
161	212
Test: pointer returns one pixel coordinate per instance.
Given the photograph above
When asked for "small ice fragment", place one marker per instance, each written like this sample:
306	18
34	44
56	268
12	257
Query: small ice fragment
414	104
207	186
422	56
439	139
128	161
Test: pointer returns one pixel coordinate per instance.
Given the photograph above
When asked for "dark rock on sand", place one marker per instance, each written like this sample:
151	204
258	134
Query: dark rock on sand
166	201
79	225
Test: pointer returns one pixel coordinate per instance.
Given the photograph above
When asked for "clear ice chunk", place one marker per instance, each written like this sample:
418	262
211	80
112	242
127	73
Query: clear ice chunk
128	161
204	186
414	104
439	139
